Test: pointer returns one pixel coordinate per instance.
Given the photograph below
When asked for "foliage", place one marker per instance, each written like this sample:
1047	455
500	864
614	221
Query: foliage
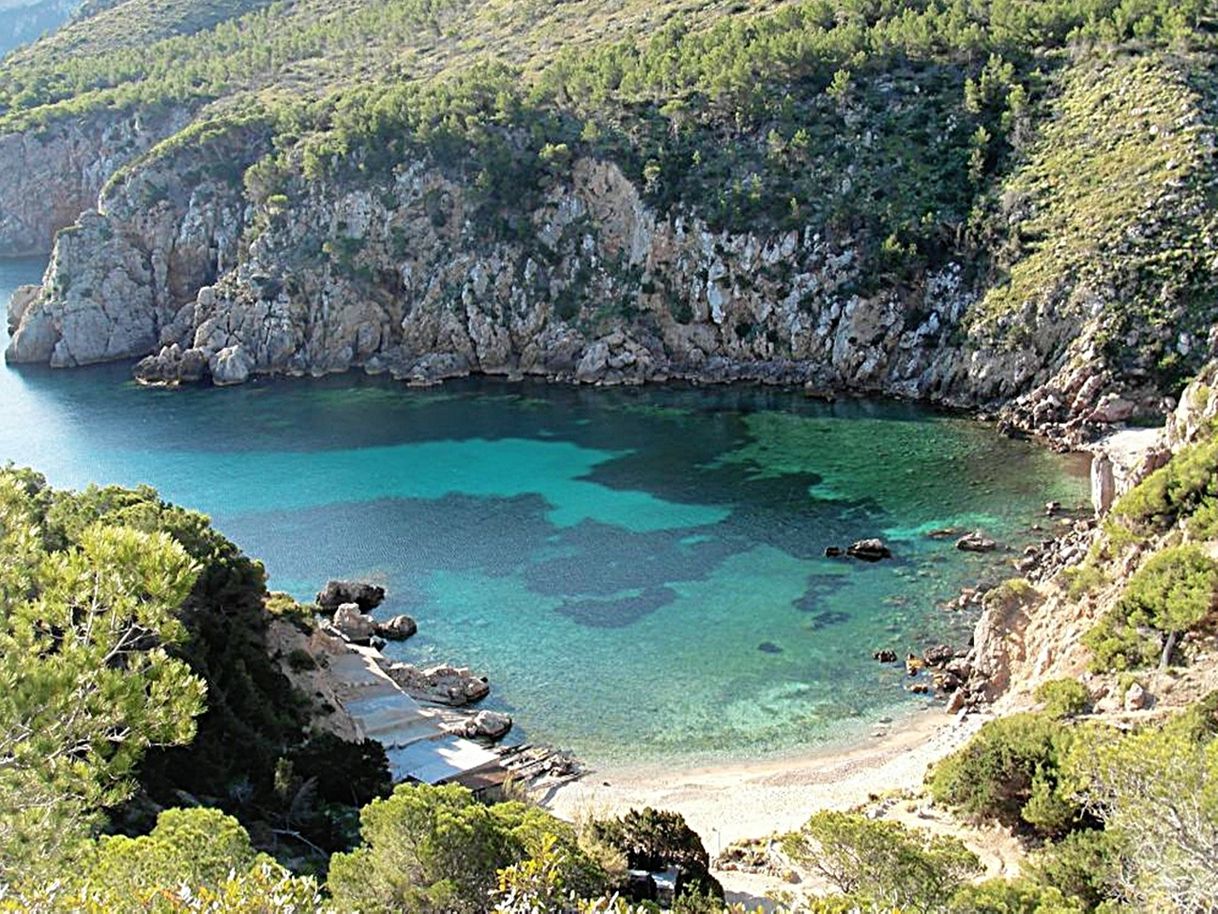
658	839
1011	771
1174	491
1063	697
87	682
1156	792
1173	592
1021	896
1081	866
883	861
194	860
433	849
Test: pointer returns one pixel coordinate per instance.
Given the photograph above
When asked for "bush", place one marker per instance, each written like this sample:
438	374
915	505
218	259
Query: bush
1063	698
1172	593
655	840
1080	866
1011	772
883	861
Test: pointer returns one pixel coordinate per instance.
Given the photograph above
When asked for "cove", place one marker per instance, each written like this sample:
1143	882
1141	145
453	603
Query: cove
640	572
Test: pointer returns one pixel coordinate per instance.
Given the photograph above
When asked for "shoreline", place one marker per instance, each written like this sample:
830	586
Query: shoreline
735	801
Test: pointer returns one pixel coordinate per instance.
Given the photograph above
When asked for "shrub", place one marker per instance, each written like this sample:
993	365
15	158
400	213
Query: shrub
655	840
1080	866
1172	593
300	660
1063	697
883	861
1010	772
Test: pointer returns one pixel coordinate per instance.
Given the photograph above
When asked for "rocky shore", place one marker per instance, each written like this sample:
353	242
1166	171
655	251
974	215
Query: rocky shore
391	279
360	694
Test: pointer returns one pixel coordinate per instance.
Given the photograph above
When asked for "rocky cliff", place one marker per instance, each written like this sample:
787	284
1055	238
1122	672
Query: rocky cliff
393	277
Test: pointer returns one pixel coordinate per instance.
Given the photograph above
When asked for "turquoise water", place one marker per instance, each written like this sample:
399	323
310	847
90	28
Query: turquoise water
639	572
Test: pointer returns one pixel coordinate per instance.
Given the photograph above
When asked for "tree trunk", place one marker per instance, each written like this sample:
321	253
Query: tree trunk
1168	646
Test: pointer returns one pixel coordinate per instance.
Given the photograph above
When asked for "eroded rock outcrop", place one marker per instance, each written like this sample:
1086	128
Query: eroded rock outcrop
394	277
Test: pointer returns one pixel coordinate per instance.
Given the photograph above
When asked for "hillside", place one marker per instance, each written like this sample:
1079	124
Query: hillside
23	21
964	205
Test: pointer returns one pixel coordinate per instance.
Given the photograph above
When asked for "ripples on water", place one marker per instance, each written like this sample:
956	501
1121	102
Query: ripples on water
639	571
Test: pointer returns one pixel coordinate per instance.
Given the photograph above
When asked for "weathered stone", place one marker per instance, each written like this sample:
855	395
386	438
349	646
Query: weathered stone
869	550
335	593
352	624
231	365
1103	484
399	628
1136	698
976	542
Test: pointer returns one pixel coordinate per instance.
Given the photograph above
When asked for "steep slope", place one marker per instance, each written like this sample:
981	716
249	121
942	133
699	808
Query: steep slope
22	21
1006	206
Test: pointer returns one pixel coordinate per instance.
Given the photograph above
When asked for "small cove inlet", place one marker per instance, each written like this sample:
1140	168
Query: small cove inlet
639	572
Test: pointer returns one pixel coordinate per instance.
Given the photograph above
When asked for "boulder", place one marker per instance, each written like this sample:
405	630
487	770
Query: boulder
231	365
442	684
976	542
1136	698
352	624
869	550
336	593
1103	484
833	552
488	725
1112	408
399	628
885	656
938	655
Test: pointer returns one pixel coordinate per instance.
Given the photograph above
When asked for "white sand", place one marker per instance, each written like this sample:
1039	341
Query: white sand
729	802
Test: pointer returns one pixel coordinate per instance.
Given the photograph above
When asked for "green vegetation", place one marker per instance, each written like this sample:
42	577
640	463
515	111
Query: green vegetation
1063	697
1011	772
910	129
1172	593
883	863
1143	823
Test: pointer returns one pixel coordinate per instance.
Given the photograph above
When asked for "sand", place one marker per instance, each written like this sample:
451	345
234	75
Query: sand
733	801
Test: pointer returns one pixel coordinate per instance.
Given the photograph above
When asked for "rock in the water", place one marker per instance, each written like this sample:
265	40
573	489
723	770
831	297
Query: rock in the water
488	725
938	655
399	628
976	542
832	552
231	365
885	656
352	624
769	647
869	550
1103	484
914	664
443	684
336	593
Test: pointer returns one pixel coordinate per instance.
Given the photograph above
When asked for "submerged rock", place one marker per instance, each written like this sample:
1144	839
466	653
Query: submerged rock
869	550
769	647
336	593
976	542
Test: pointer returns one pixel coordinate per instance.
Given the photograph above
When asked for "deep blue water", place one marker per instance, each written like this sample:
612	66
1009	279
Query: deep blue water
639	572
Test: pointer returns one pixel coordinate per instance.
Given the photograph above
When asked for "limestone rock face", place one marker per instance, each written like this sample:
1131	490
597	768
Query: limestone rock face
395	277
49	177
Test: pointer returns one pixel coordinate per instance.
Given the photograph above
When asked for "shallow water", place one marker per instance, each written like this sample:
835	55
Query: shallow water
639	572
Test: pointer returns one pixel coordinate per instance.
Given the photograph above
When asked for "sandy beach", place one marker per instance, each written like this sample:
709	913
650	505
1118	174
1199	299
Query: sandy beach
730	802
